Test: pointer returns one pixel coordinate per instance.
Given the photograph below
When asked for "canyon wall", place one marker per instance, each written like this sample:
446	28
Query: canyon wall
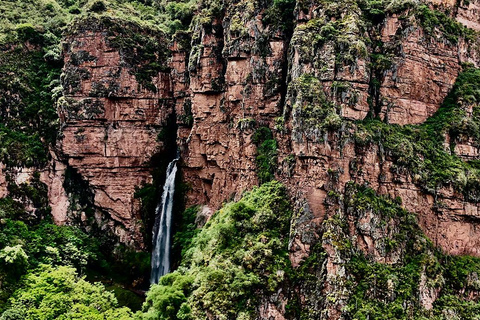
311	74
317	85
337	68
367	112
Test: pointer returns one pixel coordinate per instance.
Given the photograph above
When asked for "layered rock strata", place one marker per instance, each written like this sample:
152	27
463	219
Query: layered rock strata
393	70
111	119
235	71
242	69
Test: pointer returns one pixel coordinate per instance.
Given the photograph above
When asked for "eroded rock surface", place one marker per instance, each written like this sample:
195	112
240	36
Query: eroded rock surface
241	71
111	116
348	75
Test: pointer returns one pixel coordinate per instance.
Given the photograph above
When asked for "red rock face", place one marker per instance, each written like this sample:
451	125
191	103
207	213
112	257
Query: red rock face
219	156
469	14
421	76
411	89
234	87
110	124
239	74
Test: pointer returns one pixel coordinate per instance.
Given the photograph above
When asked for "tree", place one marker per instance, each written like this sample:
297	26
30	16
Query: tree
59	293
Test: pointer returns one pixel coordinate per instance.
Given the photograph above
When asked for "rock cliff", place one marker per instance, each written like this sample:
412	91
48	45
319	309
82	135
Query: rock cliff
366	111
117	99
338	64
309	73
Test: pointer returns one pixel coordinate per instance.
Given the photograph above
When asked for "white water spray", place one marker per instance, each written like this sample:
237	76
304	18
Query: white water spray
162	227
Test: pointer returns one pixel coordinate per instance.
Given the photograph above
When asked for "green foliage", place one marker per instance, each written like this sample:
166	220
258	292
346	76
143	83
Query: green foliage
98	6
180	14
266	154
34	21
313	113
207	11
280	14
423	155
183	238
125	297
13	261
124	265
29	118
148	195
19	148
58	293
461	273
32	193
23	248
41	20
391	290
51	244
376	10
166	298
452	116
341	29
433	20
238	256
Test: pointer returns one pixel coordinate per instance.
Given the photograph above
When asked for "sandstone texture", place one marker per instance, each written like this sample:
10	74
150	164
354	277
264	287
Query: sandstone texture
110	123
241	70
228	100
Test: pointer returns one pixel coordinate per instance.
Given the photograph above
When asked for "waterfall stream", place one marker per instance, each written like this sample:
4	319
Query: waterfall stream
162	227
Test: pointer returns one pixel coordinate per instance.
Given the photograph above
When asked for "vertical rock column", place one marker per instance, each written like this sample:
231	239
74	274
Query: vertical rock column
235	71
116	101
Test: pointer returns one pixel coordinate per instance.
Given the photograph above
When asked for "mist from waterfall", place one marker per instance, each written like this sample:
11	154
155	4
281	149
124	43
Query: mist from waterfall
162	227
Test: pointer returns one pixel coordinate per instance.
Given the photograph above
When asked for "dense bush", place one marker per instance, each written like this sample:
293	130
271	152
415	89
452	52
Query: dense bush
58	293
266	154
239	256
29	118
433	20
24	248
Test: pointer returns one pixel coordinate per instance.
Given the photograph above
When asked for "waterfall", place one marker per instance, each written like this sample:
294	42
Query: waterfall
162	227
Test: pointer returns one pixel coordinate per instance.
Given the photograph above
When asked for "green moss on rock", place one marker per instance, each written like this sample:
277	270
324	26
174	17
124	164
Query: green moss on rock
236	259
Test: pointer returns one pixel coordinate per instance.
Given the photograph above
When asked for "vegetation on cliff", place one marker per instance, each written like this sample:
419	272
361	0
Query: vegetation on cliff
31	63
423	282
238	258
32	252
381	265
421	148
266	154
342	36
32	246
28	82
